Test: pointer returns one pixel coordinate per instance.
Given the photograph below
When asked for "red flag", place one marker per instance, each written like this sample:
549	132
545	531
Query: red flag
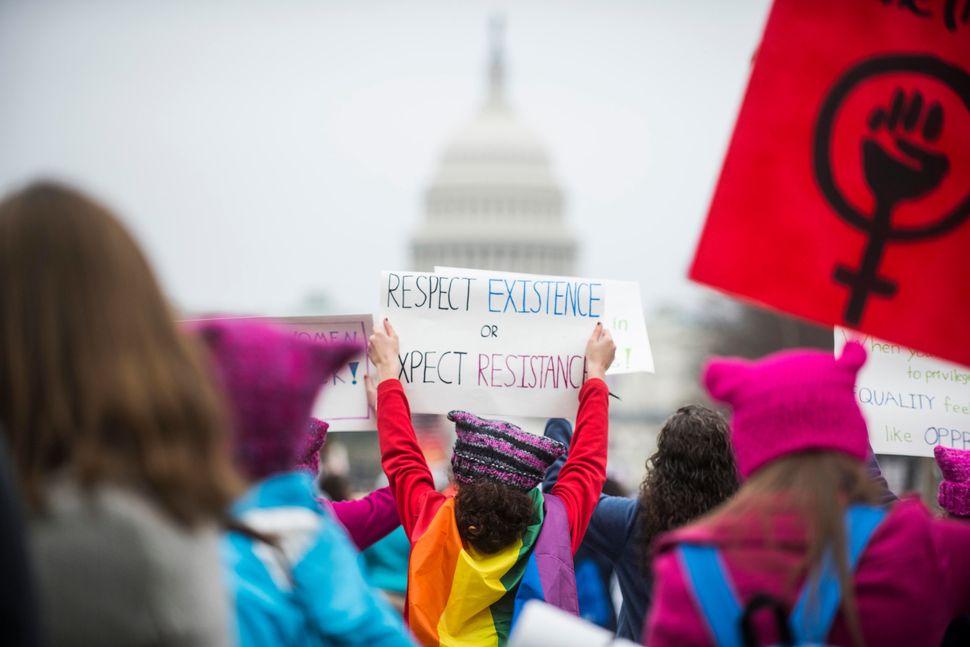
845	194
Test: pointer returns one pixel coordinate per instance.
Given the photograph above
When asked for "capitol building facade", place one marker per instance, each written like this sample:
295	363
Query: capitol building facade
494	202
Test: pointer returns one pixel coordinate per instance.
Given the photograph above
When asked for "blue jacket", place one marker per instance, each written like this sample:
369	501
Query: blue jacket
613	534
307	589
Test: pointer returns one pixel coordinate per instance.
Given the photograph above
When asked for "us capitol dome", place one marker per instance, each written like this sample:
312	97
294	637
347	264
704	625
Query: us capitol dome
494	202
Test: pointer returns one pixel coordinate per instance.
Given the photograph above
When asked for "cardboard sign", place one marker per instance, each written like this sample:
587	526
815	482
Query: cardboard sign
343	402
911	401
845	194
622	315
492	343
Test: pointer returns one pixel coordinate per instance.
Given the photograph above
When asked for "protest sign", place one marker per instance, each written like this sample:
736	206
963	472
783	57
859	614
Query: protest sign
343	403
911	401
622	315
492	343
845	194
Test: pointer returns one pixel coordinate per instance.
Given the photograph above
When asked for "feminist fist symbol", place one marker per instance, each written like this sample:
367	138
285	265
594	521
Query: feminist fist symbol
894	180
911	171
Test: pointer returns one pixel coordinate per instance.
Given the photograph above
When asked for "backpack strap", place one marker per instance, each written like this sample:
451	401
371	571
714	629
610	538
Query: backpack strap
713	593
811	620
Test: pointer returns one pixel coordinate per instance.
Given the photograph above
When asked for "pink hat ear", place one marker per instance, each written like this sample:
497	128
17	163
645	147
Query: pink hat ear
723	376
954	463
853	356
329	358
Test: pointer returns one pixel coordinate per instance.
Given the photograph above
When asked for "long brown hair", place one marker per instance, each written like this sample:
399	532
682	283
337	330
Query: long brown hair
96	381
817	486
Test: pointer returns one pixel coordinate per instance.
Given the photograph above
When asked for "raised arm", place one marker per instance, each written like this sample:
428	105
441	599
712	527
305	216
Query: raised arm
581	478
401	457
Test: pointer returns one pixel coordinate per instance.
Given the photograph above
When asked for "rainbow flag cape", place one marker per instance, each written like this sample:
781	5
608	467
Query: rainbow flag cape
458	596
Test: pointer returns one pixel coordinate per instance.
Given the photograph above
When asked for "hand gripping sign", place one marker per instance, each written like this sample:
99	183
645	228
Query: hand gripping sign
845	194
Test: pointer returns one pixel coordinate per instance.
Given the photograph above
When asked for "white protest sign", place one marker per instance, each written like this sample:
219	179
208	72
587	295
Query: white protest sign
622	315
343	402
492	343
911	401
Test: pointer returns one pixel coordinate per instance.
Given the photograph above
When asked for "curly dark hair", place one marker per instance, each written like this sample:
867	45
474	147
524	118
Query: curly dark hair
692	472
491	516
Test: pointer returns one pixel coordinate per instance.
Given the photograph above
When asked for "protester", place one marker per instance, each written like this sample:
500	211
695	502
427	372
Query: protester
115	433
294	576
806	511
477	556
953	497
368	519
692	472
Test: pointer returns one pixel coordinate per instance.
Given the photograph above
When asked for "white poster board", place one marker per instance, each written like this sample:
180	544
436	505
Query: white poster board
622	315
493	343
343	401
911	401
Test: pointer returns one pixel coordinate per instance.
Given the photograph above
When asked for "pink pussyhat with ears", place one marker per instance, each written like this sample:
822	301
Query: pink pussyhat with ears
309	457
954	494
789	402
271	378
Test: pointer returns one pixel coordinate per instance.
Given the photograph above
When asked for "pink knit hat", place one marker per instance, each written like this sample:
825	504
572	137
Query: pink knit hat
954	494
271	378
791	402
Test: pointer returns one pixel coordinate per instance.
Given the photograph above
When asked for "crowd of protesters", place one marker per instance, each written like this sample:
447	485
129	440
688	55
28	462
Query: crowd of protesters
158	486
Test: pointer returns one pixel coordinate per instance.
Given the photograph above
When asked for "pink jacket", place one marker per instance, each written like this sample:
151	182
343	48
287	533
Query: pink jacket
912	579
366	520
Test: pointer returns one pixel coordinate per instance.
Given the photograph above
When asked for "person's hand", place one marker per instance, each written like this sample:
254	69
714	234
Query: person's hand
600	351
371	388
383	348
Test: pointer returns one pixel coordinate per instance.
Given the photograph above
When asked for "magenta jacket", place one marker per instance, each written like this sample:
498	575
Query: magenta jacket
912	579
366	520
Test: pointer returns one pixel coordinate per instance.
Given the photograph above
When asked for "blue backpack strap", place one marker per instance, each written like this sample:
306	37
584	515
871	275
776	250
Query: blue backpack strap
860	523
713	592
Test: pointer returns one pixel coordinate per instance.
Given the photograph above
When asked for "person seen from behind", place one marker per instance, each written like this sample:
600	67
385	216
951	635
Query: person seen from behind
477	556
803	553
294	576
692	472
116	435
953	497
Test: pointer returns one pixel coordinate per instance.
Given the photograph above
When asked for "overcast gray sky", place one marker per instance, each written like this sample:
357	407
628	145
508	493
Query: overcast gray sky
265	150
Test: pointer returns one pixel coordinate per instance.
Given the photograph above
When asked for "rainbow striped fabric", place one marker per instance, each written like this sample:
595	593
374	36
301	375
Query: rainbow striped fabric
461	597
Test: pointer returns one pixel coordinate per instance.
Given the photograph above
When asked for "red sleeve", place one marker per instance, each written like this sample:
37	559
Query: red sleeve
581	478
407	470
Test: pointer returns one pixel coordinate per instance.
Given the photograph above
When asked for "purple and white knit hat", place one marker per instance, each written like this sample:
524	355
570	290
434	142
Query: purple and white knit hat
492	450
